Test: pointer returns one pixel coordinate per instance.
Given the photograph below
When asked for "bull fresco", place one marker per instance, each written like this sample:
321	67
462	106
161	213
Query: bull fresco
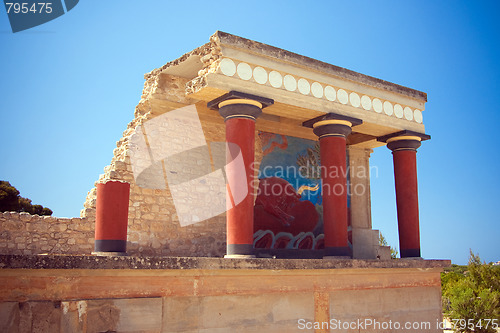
288	211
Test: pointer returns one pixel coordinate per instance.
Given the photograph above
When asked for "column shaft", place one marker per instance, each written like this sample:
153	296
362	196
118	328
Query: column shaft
239	219
405	176
240	111
111	217
332	135
404	145
334	169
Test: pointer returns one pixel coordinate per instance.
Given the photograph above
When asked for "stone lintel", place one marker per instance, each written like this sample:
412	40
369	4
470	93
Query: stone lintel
297	59
301	88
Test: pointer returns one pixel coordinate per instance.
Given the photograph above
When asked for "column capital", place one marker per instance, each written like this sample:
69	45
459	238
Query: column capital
332	124
236	104
327	128
404	140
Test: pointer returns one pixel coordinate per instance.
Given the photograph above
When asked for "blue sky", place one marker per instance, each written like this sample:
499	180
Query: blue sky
69	87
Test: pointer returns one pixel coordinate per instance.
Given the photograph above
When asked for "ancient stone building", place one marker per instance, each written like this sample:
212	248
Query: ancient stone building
245	151
301	88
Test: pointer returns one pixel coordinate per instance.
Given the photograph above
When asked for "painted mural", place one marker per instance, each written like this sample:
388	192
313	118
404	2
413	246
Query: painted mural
288	212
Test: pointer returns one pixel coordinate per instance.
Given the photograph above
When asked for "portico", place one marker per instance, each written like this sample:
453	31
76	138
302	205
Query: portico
348	112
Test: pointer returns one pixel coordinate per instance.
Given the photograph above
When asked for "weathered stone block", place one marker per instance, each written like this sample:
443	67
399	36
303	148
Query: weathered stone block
43	316
100	315
139	314
9	317
12	225
26	217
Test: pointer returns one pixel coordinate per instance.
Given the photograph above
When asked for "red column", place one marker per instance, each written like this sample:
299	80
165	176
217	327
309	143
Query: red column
239	226
240	112
404	151
332	139
112	217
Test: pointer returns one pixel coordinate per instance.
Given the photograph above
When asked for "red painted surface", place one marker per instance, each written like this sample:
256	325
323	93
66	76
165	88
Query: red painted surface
278	208
405	174
271	141
239	224
112	211
333	174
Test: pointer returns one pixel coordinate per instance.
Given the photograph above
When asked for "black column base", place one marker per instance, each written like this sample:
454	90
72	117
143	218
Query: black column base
239	250
110	245
344	251
410	253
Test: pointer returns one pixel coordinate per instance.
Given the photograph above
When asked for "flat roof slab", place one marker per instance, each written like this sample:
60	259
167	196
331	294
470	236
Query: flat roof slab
302	88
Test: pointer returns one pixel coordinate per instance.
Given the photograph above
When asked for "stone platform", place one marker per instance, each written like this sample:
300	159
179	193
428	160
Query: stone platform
185	294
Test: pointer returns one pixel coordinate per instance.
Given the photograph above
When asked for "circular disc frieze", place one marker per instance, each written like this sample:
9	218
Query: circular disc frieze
377	105
227	67
260	75
275	79
330	93
417	115
366	102
398	111
388	109
304	87
244	71
317	90
408	113
354	99
342	96
290	83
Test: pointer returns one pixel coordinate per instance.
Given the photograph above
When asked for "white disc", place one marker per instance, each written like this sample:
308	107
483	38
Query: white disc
366	102
388	109
260	75
342	96
317	90
244	71
408	113
330	93
227	67
377	105
417	115
354	99
398	111
290	83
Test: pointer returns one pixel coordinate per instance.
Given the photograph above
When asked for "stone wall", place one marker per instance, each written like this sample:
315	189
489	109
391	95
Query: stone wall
217	295
22	233
153	224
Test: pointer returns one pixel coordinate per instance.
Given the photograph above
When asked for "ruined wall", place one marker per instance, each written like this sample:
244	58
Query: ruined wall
22	233
153	225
